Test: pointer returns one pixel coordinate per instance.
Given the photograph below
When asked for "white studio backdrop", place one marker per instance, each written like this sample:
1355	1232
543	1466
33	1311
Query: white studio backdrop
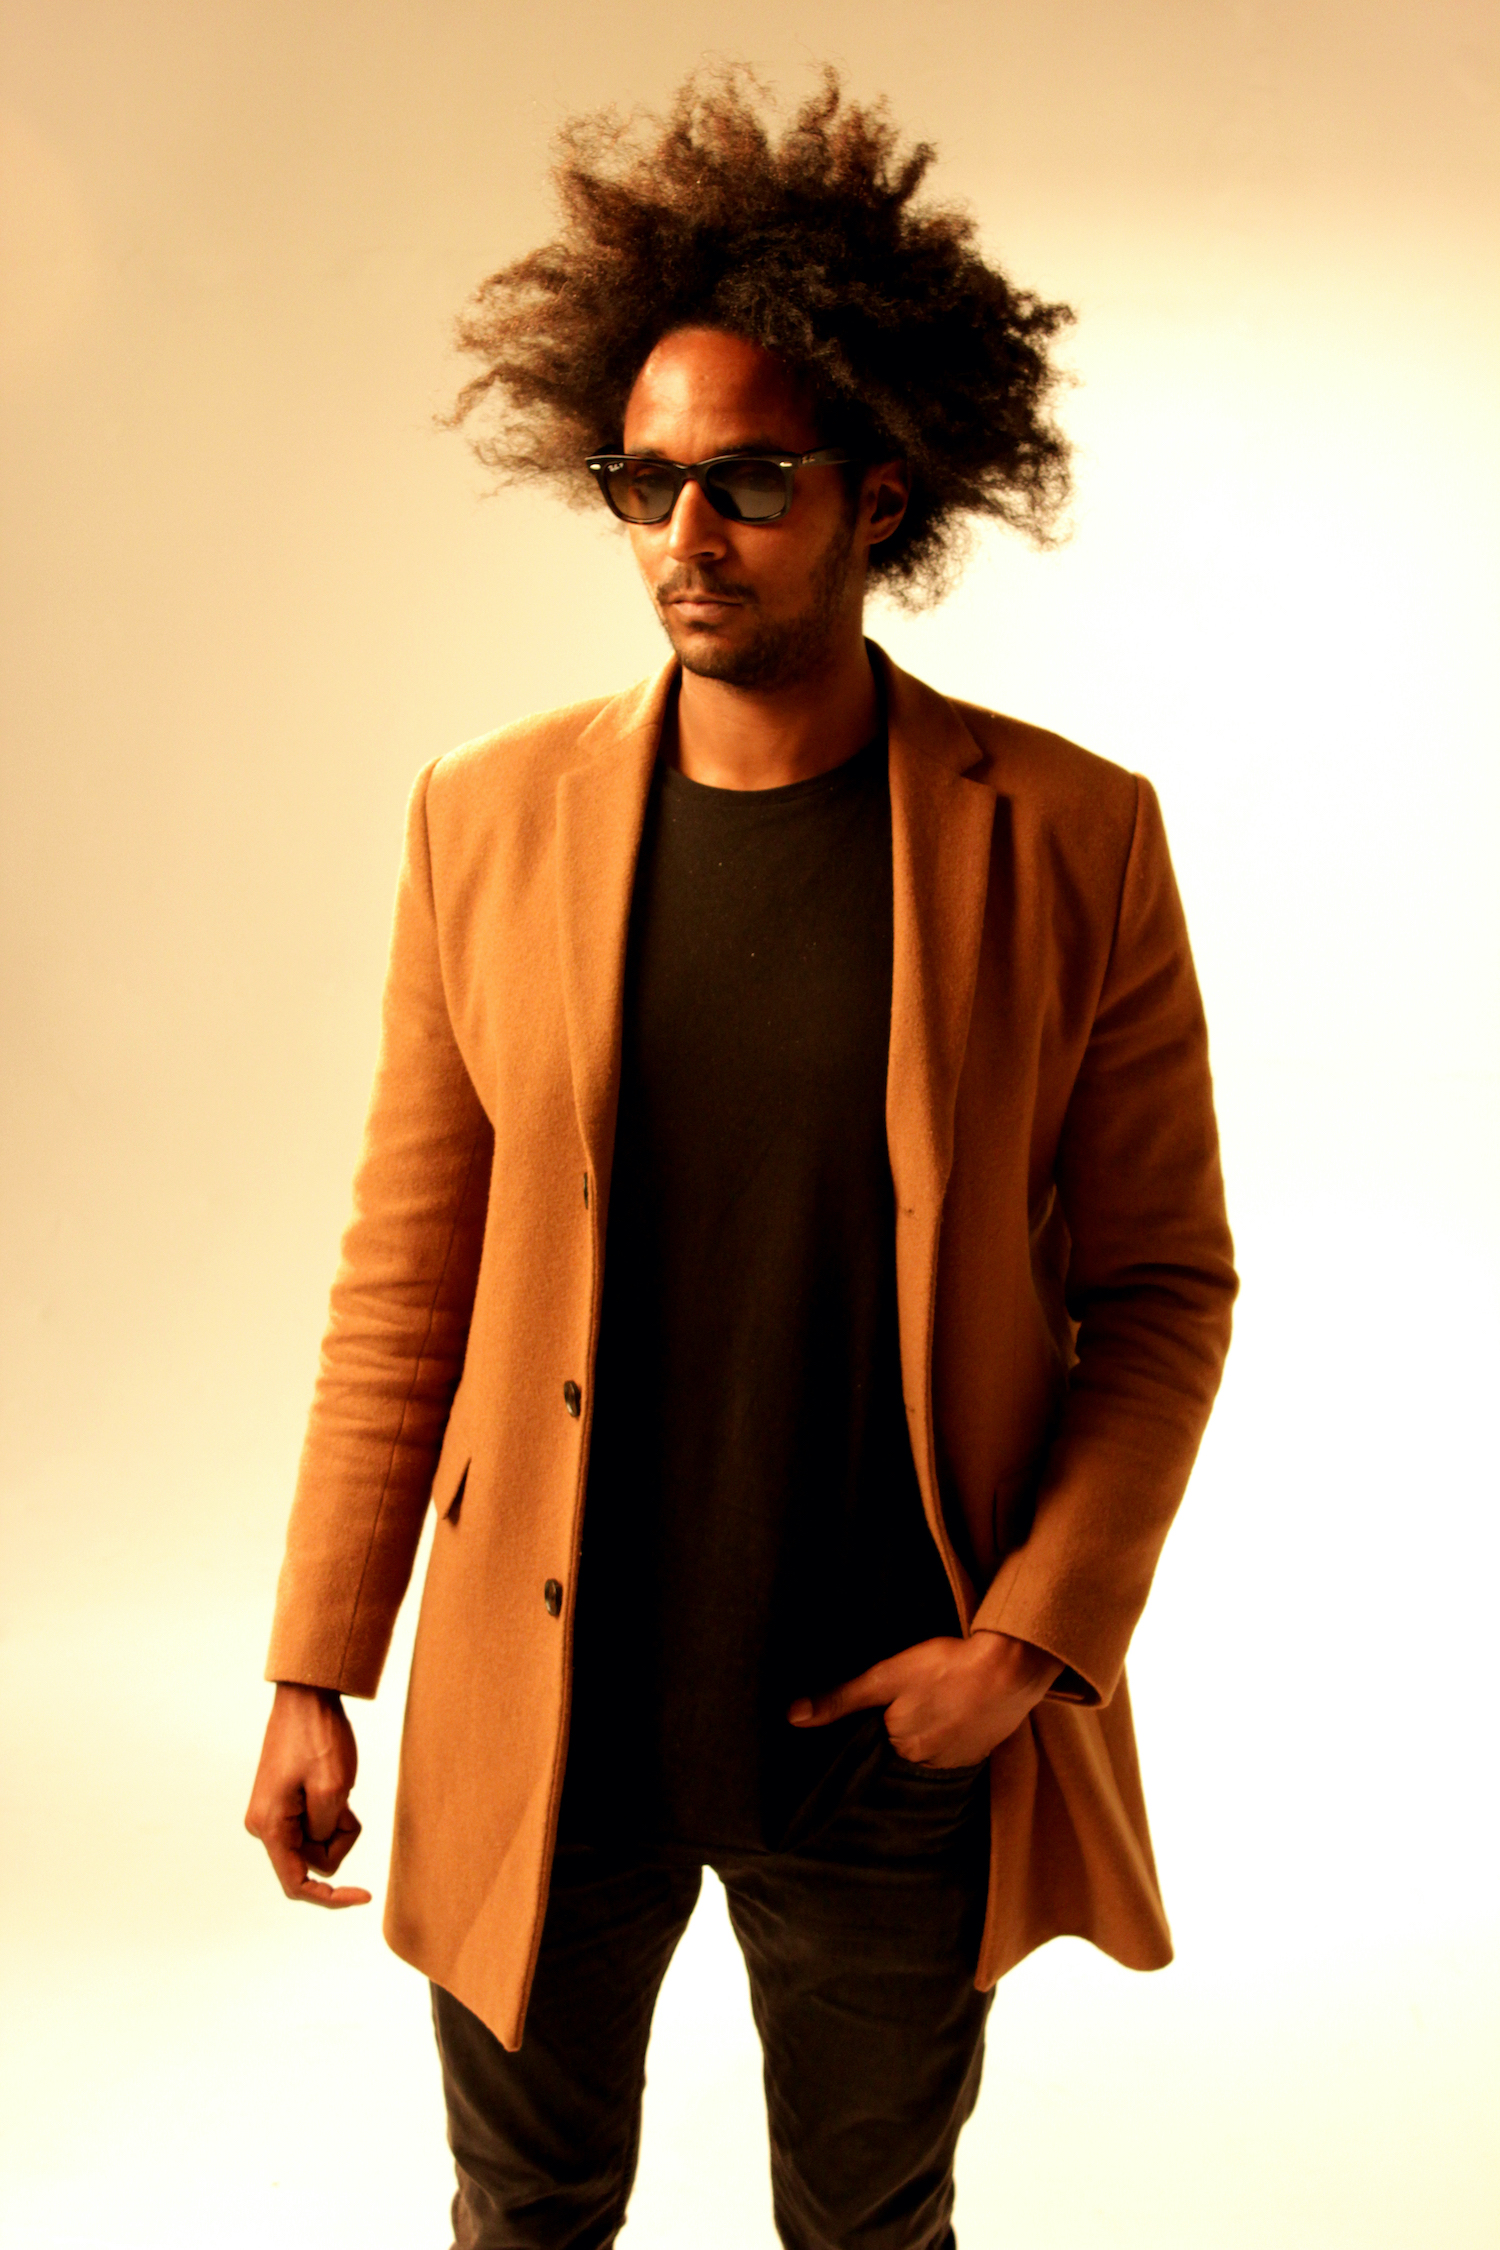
249	591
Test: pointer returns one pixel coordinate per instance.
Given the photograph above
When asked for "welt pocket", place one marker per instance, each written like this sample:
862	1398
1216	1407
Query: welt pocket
448	1509
452	1470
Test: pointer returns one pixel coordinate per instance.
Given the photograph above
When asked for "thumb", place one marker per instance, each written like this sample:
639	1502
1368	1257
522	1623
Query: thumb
866	1693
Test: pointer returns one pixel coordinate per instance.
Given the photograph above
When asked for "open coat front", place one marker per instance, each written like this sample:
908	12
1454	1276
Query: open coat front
1063	1276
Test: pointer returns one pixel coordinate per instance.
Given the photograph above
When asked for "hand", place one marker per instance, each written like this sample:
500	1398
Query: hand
299	1807
947	1702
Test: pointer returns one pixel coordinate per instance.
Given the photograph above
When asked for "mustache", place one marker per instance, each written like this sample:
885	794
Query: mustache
681	583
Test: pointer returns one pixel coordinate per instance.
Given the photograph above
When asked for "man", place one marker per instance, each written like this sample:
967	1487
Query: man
793	1139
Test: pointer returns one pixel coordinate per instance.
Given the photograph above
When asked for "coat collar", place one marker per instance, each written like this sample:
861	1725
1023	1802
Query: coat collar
940	823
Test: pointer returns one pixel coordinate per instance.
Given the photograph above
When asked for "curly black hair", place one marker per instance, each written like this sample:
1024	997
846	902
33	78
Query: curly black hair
811	245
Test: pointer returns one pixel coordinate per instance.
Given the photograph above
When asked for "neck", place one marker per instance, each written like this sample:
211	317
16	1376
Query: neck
763	738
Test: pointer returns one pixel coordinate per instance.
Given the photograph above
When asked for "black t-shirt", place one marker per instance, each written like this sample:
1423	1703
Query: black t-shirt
753	1529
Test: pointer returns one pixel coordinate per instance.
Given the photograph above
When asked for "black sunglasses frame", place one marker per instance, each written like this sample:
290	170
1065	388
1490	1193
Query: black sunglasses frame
603	465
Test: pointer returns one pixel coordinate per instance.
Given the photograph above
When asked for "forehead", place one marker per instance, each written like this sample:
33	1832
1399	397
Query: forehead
703	392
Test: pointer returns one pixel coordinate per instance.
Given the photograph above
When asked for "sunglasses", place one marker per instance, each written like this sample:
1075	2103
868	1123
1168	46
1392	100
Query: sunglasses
744	487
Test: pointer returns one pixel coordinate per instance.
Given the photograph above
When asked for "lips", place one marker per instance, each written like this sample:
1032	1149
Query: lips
697	598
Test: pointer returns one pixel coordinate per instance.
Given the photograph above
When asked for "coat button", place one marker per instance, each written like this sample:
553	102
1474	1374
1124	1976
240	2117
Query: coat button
552	1596
573	1399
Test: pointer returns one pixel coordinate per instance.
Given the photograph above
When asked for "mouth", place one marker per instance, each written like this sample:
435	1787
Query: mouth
699	605
701	609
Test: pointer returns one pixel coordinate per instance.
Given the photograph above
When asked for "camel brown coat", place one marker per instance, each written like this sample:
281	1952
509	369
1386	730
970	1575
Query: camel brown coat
1063	1277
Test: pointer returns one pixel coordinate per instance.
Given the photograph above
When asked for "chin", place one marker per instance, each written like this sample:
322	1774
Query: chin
768	659
736	666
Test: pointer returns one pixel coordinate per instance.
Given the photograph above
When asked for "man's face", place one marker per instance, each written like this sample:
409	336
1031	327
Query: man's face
755	605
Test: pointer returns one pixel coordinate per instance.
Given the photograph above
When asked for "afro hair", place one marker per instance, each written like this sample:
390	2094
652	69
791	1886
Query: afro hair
812	244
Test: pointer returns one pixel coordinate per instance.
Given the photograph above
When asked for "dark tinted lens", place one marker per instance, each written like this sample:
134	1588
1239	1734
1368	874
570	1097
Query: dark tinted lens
643	491
751	491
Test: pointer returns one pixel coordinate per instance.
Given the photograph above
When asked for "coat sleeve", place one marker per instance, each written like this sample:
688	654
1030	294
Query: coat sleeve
398	1320
1150	1284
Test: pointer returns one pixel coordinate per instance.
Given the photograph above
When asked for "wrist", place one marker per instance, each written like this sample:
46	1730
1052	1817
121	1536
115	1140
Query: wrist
299	1691
1026	1665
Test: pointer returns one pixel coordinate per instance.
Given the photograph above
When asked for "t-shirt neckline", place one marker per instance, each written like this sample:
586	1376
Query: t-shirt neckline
832	781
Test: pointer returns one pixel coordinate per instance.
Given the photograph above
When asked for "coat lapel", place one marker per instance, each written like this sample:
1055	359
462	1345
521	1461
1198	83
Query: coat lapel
941	825
601	804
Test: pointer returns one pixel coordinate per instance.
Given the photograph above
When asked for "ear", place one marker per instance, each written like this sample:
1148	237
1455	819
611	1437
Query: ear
884	493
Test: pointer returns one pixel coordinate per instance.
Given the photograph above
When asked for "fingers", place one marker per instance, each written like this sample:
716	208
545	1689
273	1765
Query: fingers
312	1893
325	1796
329	1823
325	1852
298	1882
294	1854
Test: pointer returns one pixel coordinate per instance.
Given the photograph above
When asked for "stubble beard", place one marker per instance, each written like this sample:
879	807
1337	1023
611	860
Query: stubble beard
778	655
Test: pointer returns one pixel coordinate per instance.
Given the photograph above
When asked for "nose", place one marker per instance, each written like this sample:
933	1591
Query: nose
695	527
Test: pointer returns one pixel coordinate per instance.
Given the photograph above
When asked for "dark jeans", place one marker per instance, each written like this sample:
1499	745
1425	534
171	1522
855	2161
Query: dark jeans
860	1940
